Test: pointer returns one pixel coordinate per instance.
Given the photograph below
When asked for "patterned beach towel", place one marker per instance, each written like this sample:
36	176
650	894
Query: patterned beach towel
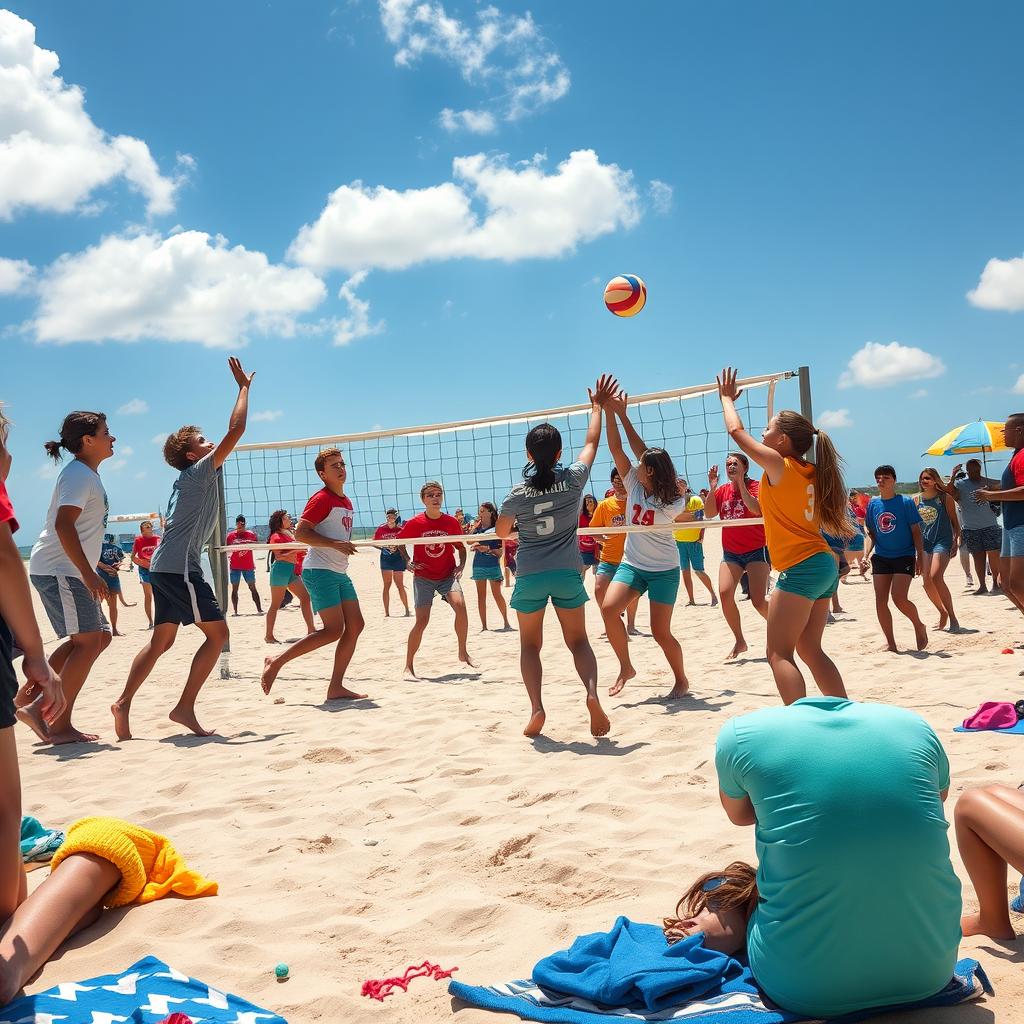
147	992
37	842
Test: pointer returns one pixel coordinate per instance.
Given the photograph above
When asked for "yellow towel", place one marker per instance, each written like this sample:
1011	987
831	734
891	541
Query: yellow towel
150	866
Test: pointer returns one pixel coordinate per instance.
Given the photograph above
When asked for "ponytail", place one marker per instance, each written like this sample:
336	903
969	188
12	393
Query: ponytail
832	497
544	444
75	428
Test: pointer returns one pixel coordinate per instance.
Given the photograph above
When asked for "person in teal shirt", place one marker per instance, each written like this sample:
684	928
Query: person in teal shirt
858	905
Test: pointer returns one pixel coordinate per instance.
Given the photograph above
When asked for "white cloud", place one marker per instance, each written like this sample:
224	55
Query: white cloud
527	214
188	287
357	324
834	419
115	465
479	122
266	416
505	56
1001	286
881	366
15	276
126	450
1018	388
141	475
52	155
160	439
48	470
920	393
135	407
660	194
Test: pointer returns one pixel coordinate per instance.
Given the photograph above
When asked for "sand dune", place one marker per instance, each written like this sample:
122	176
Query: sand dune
353	841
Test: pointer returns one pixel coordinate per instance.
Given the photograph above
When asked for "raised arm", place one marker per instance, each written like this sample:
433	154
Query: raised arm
622	463
950	485
636	442
711	504
239	414
603	390
768	458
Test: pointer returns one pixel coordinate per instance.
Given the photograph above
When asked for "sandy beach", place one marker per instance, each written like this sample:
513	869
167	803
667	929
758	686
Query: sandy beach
354	840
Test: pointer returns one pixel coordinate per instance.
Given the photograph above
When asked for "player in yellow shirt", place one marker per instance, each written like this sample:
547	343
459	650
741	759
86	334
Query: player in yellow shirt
799	499
612	512
691	547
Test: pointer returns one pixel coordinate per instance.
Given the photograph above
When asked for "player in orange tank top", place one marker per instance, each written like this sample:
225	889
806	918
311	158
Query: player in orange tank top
798	500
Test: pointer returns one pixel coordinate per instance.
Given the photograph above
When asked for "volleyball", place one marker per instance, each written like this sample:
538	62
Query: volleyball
625	295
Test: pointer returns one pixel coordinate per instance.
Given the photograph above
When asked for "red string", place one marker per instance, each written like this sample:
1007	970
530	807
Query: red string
378	988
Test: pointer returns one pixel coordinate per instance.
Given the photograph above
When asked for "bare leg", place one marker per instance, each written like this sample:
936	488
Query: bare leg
458	605
276	594
931	591
531	640
387	576
979	568
617	599
112	612
937	565
788	616
757	574
574	631
1012	576
728	578
234	598
256	597
158	644
184	712
661	629
415	639
499	600
900	598
688	584
337	690
995	564
990	834
883	587
481	603
298	588
631	616
823	669
147	600
334	625
12	876
706	580
400	584
67	900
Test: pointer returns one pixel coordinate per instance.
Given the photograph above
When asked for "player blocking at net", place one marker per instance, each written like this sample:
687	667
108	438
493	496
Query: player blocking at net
546	508
326	527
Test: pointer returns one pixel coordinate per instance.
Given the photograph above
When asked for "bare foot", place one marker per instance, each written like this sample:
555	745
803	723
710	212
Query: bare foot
269	673
738	648
271	640
189	720
972	924
680	689
116	633
31	717
633	631
691	604
535	724
71	735
599	724
955	627
344	693
921	635
410	673
981	590
943	619
890	648
467	660
122	729
407	613
714	602
624	677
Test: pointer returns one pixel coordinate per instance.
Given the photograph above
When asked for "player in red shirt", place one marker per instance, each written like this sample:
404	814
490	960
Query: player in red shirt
142	551
434	571
243	564
744	548
392	565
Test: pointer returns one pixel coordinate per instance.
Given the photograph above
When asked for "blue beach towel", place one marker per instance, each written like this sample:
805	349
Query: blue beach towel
146	993
38	843
640	981
1014	730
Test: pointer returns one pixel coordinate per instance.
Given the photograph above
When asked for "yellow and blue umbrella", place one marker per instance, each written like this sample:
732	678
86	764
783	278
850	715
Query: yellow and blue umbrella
971	438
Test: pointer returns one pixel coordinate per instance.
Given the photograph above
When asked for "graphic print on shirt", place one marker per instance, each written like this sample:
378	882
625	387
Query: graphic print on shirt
642	517
886	522
928	513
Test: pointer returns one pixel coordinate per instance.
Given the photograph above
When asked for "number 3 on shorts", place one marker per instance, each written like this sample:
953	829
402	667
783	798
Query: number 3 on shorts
545	524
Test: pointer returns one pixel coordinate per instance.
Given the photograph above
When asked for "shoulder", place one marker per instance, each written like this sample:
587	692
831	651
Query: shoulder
579	473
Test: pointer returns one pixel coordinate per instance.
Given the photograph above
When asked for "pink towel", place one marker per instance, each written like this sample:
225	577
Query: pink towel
993	714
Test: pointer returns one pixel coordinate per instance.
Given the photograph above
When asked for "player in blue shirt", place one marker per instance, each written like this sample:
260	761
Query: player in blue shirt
894	532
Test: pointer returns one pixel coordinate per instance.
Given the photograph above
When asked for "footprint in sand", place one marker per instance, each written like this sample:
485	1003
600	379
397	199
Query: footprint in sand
510	848
327	755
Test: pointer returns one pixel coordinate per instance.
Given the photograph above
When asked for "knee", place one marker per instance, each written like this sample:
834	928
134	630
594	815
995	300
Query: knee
92	643
218	633
972	805
356	626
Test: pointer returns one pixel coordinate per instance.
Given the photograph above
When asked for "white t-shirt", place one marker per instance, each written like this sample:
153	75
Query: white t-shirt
332	515
651	552
80	487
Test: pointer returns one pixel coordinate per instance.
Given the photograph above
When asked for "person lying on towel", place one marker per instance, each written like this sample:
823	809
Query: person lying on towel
855	903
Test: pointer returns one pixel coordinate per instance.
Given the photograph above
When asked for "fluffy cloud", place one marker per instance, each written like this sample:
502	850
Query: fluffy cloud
188	287
357	324
504	55
266	416
15	276
1018	388
526	214
834	419
52	155
479	122
881	366
1001	286
660	195
134	407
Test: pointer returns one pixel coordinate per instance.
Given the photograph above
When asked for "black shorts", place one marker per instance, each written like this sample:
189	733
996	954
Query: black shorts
905	565
8	678
183	601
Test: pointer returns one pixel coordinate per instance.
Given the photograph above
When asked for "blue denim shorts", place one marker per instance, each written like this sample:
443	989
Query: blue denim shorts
744	558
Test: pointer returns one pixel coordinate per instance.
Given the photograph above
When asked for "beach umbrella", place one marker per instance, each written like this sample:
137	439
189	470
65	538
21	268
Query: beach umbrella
981	436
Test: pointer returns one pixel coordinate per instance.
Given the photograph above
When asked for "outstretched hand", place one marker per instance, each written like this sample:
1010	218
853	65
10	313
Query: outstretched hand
727	384
242	379
713	477
603	390
617	403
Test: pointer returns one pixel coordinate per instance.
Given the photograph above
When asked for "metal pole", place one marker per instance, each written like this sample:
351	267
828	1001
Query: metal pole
219	565
806	409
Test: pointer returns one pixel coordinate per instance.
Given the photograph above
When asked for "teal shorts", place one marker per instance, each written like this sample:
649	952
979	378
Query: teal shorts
691	554
815	578
486	572
607	568
660	587
328	588
282	573
563	586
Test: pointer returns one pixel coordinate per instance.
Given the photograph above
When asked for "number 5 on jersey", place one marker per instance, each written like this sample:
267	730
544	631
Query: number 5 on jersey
545	524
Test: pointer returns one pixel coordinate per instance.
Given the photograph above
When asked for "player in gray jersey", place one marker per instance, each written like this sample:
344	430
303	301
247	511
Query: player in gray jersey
546	508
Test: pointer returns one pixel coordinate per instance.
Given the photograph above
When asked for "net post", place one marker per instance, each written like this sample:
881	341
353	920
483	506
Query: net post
219	566
806	409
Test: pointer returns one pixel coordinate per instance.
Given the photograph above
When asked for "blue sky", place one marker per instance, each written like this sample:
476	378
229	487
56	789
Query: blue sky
797	183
